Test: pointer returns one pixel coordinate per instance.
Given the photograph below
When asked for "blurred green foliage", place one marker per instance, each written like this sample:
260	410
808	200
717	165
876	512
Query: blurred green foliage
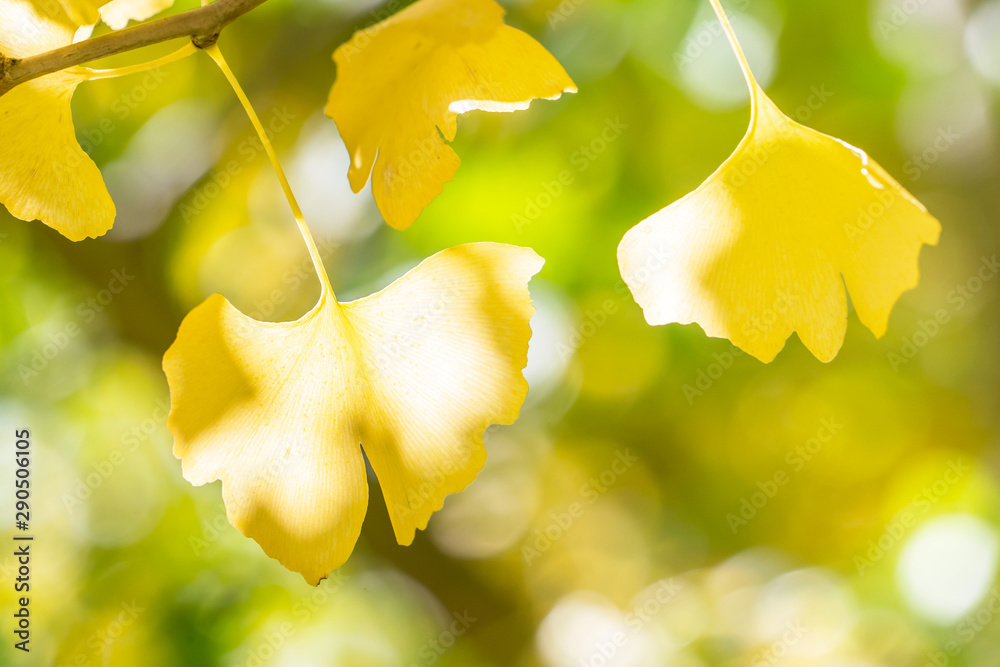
768	514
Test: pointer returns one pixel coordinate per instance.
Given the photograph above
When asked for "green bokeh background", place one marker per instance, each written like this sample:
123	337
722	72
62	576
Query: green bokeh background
875	548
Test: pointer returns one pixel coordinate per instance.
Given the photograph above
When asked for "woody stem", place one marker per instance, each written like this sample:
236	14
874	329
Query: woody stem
202	25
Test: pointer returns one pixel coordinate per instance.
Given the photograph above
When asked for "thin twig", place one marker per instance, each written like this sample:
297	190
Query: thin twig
202	25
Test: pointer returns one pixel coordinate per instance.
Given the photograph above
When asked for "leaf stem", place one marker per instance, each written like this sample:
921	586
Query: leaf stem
98	74
317	259
731	35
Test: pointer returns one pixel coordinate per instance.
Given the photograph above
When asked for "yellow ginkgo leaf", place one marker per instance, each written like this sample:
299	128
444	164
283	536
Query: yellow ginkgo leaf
44	173
402	83
765	246
414	374
118	13
81	12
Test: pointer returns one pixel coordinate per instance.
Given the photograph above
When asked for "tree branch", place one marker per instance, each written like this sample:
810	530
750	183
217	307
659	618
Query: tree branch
202	25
